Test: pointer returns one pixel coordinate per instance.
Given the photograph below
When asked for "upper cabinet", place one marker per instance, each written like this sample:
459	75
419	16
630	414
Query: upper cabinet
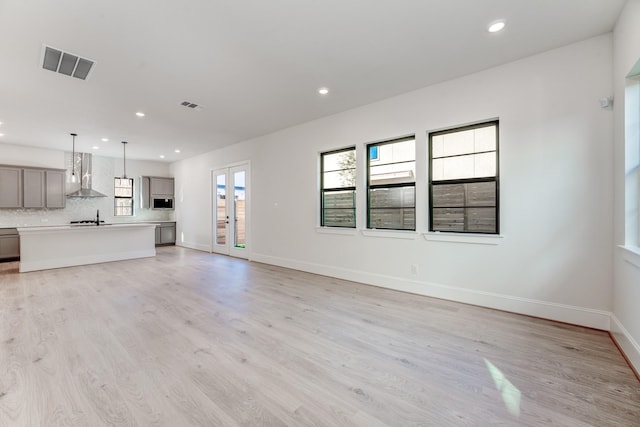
10	187
31	188
55	189
161	186
156	192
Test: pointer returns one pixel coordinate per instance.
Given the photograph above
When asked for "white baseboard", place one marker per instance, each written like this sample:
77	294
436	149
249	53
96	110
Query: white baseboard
196	246
597	319
626	342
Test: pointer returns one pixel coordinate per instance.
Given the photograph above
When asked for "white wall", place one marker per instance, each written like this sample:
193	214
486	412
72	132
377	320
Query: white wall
554	259
31	156
104	170
193	192
626	290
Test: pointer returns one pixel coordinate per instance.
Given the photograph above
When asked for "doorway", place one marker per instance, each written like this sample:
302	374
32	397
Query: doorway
230	211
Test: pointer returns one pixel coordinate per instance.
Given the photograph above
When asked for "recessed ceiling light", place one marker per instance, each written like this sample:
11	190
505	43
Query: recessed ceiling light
105	140
323	91
0	123
496	26
176	150
1	134
95	147
140	114
162	156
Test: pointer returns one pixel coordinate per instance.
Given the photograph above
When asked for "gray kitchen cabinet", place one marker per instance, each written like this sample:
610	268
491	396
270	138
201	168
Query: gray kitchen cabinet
156	192
166	234
10	187
161	186
26	187
55	189
33	188
9	244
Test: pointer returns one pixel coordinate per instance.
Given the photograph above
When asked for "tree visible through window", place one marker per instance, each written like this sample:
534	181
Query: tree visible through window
338	188
123	197
464	179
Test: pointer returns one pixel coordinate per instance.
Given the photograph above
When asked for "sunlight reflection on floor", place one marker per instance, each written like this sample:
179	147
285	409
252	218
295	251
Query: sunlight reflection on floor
510	394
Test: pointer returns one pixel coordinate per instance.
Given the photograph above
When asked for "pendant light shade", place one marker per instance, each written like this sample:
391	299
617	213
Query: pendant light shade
124	159
73	158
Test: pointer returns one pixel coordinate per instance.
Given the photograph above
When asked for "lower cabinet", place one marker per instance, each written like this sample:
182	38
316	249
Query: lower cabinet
166	233
9	244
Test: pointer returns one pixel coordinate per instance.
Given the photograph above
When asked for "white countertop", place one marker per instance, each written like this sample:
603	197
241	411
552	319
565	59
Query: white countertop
80	227
84	225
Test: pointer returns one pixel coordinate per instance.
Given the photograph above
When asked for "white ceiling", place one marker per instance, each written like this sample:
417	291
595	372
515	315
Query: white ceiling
254	65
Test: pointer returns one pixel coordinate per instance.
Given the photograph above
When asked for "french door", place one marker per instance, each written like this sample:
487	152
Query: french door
230	210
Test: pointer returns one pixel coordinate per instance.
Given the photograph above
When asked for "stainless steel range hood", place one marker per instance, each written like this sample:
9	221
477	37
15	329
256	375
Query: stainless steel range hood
85	190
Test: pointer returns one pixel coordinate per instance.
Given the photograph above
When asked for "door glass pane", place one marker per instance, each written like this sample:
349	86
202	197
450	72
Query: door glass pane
221	210
239	209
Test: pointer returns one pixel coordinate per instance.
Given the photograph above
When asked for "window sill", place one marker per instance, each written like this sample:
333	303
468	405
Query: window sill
631	254
336	230
478	239
390	234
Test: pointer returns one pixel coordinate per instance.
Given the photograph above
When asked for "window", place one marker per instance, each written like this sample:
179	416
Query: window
391	194
463	190
338	188
632	157
123	197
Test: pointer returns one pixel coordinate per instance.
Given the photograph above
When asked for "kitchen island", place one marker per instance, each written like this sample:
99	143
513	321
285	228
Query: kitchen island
42	248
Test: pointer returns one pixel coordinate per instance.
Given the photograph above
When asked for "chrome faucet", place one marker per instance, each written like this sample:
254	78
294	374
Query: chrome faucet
98	217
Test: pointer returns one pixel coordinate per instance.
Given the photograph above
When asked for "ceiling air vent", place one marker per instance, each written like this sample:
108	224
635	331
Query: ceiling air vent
191	105
66	63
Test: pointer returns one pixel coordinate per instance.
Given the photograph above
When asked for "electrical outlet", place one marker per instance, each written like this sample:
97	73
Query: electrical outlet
414	269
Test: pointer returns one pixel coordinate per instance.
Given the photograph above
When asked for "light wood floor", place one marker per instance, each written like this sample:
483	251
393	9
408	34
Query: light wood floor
193	339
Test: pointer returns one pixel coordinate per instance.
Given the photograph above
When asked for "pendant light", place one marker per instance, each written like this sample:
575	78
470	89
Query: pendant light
124	159
73	158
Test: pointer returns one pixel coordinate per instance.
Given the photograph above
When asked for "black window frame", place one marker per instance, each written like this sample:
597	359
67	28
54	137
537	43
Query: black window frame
390	185
324	190
495	178
116	197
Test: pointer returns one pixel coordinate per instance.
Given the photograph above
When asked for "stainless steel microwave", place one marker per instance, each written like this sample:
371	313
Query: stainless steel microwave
161	202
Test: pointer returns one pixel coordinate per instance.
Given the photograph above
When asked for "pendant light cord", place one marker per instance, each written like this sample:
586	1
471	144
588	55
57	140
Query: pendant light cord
124	159
73	155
